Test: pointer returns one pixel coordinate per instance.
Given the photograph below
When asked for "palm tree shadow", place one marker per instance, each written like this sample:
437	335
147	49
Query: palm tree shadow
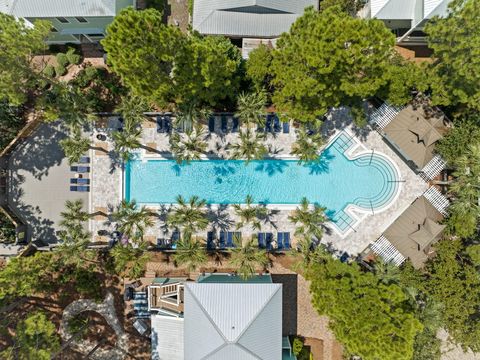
321	165
271	167
219	217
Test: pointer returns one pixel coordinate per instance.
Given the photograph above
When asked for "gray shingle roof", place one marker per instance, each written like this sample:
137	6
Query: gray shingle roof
233	321
247	18
57	8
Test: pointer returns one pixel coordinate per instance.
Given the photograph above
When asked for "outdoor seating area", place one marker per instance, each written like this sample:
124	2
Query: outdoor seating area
80	183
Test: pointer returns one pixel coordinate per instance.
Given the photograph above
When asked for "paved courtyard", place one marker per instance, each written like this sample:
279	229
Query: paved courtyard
107	182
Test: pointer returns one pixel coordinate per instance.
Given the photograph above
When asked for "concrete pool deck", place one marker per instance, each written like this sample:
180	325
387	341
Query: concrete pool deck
107	187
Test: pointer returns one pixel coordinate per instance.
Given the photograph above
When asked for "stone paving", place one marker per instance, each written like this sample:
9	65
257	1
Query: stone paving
107	184
107	310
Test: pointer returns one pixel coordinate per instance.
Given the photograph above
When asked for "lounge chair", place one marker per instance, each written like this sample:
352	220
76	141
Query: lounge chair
276	124
80	181
211	124
167	123
80	169
232	237
222	239
235	125
224	124
283	241
80	188
268	123
261	241
286	127
160	128
210	240
174	239
269	241
84	160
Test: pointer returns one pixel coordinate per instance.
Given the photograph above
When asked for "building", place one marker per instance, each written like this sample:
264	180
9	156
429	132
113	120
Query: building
406	18
247	21
73	21
218	317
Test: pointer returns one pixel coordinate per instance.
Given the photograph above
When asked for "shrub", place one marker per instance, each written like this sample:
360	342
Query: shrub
77	324
156	4
60	70
72	57
297	346
190	7
62	59
49	71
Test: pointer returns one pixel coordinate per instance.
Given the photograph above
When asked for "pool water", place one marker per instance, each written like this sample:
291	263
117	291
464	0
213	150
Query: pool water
370	181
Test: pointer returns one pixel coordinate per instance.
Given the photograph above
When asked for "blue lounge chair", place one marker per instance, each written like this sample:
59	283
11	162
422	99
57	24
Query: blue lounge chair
210	241
221	241
283	241
80	188
81	181
84	160
167	123
261	241
174	239
286	127
231	237
269	123
80	169
276	124
211	124
224	124
160	128
280	240
236	124
269	240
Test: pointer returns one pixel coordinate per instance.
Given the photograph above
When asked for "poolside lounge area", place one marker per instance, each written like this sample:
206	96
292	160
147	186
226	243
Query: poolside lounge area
107	185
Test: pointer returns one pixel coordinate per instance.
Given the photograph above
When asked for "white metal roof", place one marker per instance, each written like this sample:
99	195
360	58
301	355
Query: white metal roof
254	18
167	337
233	321
415	10
58	8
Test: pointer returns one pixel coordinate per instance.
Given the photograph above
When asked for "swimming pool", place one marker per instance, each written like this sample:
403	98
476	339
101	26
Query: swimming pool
369	181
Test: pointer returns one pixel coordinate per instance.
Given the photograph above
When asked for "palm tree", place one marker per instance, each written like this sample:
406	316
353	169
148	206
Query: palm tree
73	214
189	115
75	146
125	141
387	272
131	220
250	147
189	147
75	240
132	109
247	258
312	221
306	147
251	108
190	216
249	213
130	261
190	253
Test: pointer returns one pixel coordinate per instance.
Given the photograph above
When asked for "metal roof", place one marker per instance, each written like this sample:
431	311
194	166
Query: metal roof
243	18
58	8
415	10
167	337
233	321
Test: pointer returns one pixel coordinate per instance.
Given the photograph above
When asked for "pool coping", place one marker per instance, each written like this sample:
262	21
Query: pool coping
357	213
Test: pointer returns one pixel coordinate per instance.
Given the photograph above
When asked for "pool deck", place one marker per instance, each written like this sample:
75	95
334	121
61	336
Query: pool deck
107	191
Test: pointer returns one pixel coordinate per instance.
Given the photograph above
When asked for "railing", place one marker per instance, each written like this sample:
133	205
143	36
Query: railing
382	116
436	198
433	168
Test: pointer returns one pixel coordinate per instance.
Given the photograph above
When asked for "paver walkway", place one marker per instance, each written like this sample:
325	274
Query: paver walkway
107	310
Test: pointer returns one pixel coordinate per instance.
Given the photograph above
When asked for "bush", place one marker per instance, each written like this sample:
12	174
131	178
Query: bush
190	7
49	71
60	70
7	230
87	283
77	324
62	59
72	57
156	4
297	346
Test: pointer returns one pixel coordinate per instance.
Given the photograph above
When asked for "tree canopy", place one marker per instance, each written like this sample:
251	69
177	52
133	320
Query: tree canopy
339	60
455	40
161	64
19	43
372	319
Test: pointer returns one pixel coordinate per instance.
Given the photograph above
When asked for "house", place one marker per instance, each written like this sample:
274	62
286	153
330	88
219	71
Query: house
406	18
220	316
73	21
248	22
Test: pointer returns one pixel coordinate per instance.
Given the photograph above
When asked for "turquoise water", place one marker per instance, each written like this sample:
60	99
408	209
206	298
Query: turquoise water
369	181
